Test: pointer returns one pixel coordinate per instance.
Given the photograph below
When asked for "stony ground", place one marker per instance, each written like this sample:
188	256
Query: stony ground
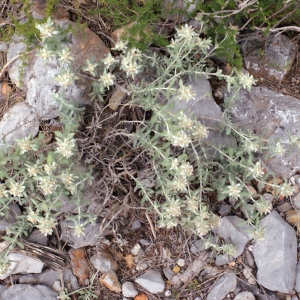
128	254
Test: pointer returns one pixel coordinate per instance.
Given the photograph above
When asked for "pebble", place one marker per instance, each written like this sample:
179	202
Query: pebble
136	224
181	262
110	280
151	281
103	262
223	285
136	250
129	290
244	296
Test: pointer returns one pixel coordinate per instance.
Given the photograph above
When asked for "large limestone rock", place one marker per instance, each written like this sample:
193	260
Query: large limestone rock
276	255
37	77
275	116
272	58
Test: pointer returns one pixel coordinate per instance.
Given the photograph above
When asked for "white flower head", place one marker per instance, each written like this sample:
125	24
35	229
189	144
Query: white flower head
279	149
180	139
174	164
200	131
65	147
234	190
66	78
3	191
108	61
257	170
286	190
90	67
246	80
47	185
46	225
45	54
186	93
49	168
130	67
174	208
185	170
251	146
47	29
120	45
185	122
16	189
79	230
178	184
65	56
67	179
32	216
107	79
135	53
32	170
186	32
192	204
25	145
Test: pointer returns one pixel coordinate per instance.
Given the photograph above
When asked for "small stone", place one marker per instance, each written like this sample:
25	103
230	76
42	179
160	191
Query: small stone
176	269
223	286
252	280
117	98
28	279
37	237
136	250
129	290
244	296
145	242
181	262
141	297
247	272
56	286
141	266
168	293
168	273
224	210
110	280
136	224
222	259
151	281
26	291
103	262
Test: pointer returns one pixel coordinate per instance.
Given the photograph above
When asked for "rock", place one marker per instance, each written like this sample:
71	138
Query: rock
56	286
37	237
117	97
145	242
200	245
90	237
181	262
48	278
136	249
103	262
70	278
234	230
296	201
136	224
168	273
79	265
276	255
110	280
14	212
272	58
191	271
151	281
297	282
26	291
18	122
22	264
275	117
224	210
223	260
129	290
177	10
38	77
244	296
28	279
2	288
141	266
249	258
3	47
224	285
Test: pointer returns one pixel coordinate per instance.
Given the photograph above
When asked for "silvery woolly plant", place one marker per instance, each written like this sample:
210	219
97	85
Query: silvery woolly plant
186	168
40	178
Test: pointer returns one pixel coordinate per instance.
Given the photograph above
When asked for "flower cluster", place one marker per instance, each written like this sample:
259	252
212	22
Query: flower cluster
45	225
16	189
278	149
90	67
179	139
26	145
65	147
286	190
246	80
47	29
186	93
234	190
257	170
66	78
108	61
129	62
47	185
107	79
3	191
186	33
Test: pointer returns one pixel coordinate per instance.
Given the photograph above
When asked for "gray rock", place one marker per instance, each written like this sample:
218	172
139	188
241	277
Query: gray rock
28	292
22	264
28	279
168	273
38	77
224	210
48	278
56	286
178	10
276	255
37	237
244	296
234	230
297	282
296	201
275	117
223	260
3	46
70	278
145	242
103	262
272	58
14	212
151	281
224	285
136	224
90	237
199	245
129	290
18	122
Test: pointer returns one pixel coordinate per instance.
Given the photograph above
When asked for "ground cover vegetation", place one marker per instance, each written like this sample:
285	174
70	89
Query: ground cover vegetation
185	169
